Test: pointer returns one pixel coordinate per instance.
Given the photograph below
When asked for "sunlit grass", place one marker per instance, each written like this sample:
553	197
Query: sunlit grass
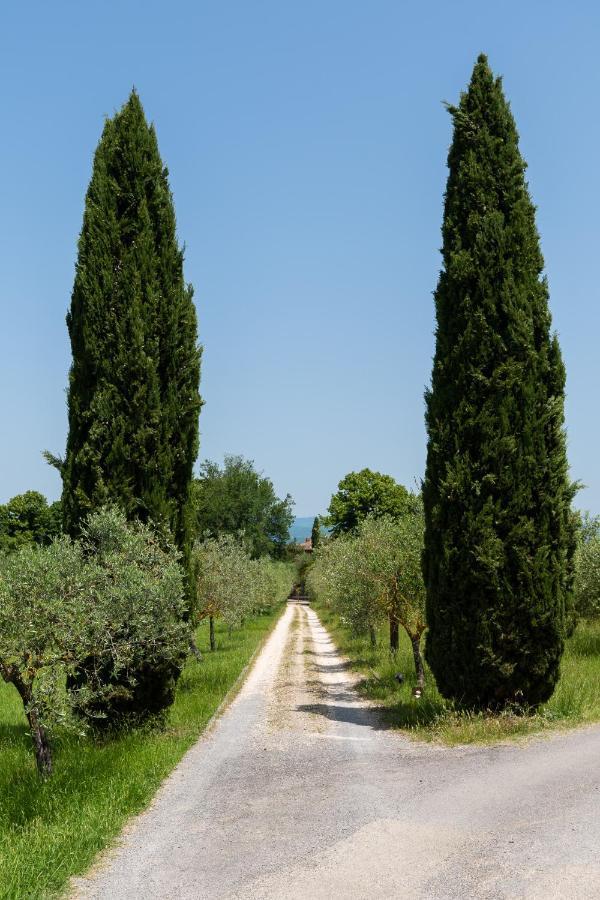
50	831
576	700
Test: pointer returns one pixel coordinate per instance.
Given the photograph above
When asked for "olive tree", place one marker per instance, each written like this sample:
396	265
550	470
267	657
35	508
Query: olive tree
223	580
340	578
587	569
376	573
108	601
229	584
272	583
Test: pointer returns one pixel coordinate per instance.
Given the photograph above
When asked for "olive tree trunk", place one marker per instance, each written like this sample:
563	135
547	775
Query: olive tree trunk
39	736
394	634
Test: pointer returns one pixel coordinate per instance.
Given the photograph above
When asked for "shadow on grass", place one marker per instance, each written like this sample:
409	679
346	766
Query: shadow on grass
14	734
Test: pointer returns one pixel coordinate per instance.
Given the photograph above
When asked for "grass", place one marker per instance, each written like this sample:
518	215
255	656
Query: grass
576	700
51	831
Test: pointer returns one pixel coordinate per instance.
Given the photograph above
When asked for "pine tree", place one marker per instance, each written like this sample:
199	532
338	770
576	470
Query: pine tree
133	399
499	538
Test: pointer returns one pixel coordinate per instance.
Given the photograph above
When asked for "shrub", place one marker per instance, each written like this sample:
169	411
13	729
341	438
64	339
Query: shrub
587	578
230	585
375	574
107	604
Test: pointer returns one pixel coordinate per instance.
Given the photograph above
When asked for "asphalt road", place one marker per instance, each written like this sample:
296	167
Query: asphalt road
297	792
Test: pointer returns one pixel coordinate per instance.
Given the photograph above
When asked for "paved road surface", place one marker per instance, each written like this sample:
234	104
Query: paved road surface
298	793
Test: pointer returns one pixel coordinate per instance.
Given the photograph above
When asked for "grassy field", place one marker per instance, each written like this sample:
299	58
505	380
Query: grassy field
50	831
576	700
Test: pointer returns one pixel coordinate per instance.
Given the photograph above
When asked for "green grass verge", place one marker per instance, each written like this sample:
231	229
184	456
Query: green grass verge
51	831
576	700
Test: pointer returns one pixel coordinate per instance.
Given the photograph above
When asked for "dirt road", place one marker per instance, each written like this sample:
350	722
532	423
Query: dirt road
297	792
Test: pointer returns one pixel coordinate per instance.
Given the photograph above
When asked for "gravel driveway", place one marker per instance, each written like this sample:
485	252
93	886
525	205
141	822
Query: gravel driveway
297	792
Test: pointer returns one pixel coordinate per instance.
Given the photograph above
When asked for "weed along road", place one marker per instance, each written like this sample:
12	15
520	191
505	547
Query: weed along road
297	792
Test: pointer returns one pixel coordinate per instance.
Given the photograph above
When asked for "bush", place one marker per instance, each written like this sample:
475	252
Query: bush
374	574
230	585
146	613
92	611
587	578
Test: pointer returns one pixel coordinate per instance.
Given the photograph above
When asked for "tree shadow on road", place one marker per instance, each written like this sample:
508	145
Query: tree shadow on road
354	715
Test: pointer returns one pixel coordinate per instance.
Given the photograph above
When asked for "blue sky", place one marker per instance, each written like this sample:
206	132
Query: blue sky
307	146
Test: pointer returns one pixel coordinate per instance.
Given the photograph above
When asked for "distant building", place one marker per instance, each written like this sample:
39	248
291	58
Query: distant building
306	545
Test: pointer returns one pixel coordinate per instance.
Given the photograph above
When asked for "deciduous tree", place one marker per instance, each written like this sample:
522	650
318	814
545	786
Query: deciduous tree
236	499
362	494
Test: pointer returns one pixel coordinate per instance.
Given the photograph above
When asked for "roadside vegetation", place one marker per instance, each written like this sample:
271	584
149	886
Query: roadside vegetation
369	579
575	701
52	829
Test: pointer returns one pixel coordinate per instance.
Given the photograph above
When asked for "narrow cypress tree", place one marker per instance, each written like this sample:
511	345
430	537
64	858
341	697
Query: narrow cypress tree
499	538
133	398
315	535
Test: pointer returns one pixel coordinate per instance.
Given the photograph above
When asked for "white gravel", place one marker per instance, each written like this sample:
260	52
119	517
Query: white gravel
298	793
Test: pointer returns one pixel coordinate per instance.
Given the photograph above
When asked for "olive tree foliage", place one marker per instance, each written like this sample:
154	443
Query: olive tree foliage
110	601
587	569
376	573
230	585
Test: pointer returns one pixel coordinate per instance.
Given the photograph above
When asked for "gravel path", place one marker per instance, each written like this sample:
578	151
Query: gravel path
298	793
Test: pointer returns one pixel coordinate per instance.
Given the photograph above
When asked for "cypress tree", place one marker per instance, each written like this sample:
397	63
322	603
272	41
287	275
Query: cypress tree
499	537
133	396
315	535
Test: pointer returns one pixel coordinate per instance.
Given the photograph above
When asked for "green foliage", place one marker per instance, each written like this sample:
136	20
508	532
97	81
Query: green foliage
229	584
146	615
238	500
575	701
315	535
587	568
375	573
133	396
362	494
133	399
499	539
51	830
28	519
112	603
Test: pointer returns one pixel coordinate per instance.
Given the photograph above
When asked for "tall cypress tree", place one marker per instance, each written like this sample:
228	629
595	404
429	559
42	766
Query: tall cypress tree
315	535
499	537
133	398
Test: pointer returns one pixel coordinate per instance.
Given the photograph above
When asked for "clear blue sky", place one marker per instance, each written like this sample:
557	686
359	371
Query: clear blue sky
307	147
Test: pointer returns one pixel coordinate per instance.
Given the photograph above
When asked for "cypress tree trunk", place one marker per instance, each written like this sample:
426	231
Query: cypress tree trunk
133	399
499	537
372	636
211	630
